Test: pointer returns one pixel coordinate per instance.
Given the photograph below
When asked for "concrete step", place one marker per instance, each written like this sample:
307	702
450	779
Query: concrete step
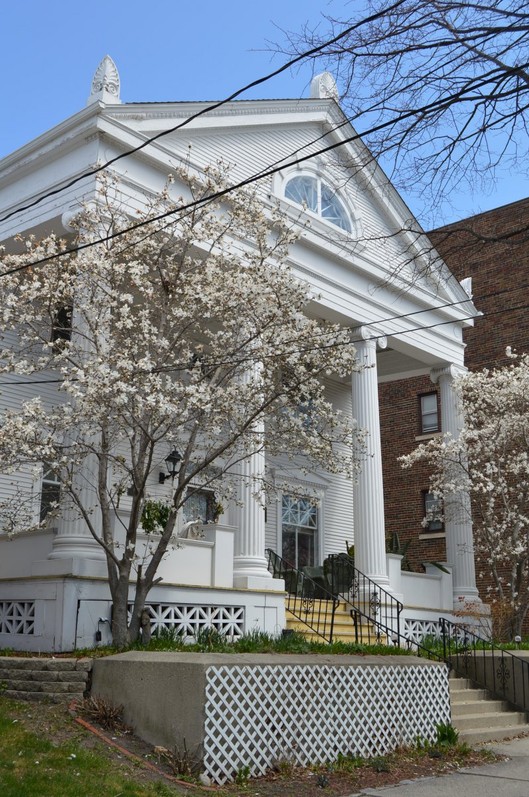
480	718
493	734
468	695
463	709
48	697
459	684
496	719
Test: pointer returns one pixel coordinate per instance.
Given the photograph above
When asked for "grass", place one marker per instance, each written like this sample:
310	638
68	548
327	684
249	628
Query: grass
32	765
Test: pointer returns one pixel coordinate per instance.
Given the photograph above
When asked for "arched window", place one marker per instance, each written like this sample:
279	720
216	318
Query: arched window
316	196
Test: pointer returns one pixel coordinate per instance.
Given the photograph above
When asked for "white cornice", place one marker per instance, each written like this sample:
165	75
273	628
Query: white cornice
231	110
71	127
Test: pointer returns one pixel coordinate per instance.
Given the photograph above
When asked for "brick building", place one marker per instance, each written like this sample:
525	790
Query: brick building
492	249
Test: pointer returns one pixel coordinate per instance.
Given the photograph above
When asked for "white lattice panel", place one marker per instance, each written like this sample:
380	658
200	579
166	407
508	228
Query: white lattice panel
189	620
256	716
17	617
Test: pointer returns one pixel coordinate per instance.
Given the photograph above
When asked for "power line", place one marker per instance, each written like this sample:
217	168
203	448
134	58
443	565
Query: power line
375	324
208	109
267	172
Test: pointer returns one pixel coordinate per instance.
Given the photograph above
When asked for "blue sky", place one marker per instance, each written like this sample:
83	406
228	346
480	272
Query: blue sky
164	50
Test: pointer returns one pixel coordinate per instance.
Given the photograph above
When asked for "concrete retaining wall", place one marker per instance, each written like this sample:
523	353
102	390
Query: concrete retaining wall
253	710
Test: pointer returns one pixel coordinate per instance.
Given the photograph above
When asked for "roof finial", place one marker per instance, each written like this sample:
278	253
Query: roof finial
105	83
324	87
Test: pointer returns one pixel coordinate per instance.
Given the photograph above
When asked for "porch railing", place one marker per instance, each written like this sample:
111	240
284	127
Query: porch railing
314	594
500	671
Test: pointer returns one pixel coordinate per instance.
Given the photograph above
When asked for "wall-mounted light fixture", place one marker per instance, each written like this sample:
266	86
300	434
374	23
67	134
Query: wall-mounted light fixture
172	463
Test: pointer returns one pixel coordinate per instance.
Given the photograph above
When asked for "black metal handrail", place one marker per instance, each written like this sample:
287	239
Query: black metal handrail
367	599
500	671
307	599
374	611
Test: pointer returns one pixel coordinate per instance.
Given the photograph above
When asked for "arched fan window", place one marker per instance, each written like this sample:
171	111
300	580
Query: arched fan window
315	195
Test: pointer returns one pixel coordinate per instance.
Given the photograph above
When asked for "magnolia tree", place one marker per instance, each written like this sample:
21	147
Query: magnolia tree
189	333
490	461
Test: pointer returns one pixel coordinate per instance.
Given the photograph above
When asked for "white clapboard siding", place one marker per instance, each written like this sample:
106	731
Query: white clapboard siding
336	491
338	510
247	151
12	396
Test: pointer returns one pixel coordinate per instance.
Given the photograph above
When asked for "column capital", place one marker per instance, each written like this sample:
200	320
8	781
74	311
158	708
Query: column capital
370	334
452	371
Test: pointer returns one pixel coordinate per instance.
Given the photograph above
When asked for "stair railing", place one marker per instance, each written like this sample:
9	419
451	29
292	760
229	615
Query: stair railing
307	599
500	671
366	600
374	611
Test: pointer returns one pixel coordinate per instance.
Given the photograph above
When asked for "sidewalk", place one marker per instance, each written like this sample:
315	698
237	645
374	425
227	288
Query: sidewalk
504	779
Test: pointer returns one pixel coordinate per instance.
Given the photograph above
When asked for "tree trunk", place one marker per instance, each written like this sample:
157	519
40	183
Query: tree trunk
121	637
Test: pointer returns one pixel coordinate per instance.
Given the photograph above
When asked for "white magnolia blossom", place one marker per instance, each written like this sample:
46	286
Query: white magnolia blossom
490	461
189	333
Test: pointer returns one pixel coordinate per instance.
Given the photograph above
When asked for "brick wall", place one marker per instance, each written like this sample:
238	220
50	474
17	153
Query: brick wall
493	249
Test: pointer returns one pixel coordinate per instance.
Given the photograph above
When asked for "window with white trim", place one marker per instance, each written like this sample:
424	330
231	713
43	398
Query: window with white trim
315	195
429	413
299	530
433	510
50	492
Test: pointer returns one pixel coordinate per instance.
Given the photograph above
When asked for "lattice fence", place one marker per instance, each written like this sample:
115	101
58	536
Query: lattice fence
17	617
187	621
258	716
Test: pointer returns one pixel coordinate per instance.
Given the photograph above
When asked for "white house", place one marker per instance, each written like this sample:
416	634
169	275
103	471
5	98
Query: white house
373	271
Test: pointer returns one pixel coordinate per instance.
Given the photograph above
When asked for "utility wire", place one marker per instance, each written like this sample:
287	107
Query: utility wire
375	324
435	105
212	107
243	183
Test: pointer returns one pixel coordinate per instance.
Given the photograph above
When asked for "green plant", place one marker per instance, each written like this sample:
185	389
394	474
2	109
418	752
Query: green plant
154	516
446	735
394	545
284	766
217	511
242	776
211	639
348	762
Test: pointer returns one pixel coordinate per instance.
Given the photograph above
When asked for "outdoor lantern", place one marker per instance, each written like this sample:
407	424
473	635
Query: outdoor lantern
172	462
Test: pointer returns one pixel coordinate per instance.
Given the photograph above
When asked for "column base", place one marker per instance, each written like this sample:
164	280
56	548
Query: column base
76	547
258	583
470	603
61	567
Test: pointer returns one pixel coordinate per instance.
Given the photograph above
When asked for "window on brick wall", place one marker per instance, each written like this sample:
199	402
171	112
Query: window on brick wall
433	509
429	413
